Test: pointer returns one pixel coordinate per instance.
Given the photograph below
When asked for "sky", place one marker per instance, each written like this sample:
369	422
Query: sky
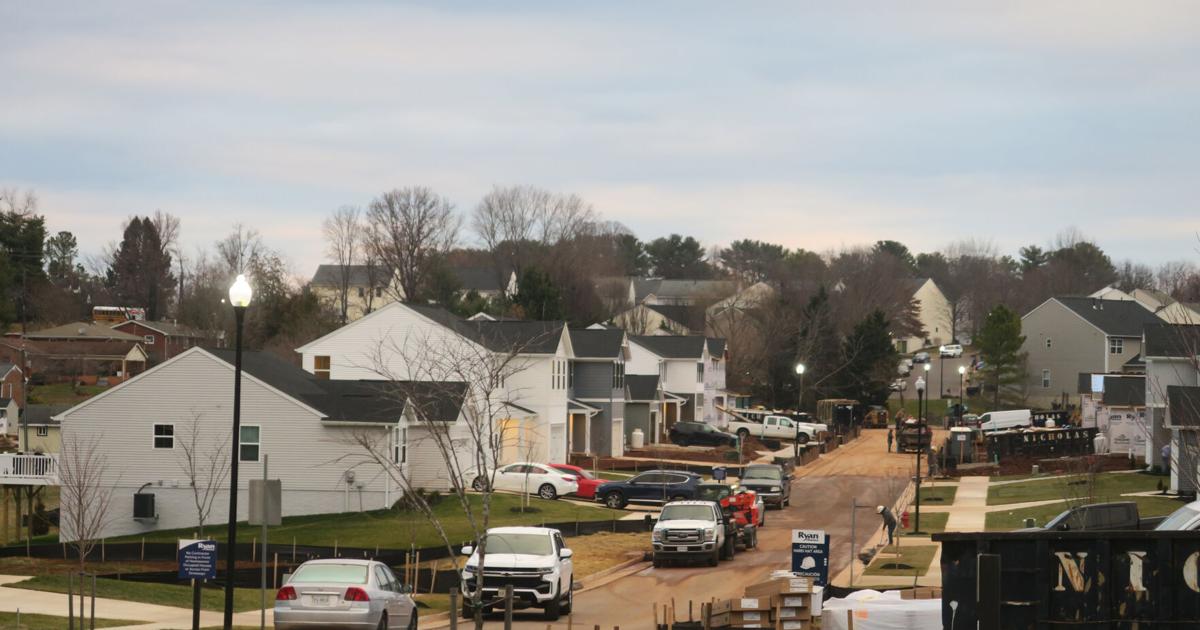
798	123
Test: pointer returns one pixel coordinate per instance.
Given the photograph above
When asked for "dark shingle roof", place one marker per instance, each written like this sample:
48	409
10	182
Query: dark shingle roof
716	346
642	386
331	276
170	329
692	317
1125	391
531	337
672	346
43	414
1184	402
480	278
5	368
595	343
1120	318
1084	385
83	330
1172	340
1136	362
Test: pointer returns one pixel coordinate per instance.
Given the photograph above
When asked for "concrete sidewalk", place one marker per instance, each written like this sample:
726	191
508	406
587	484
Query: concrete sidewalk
970	506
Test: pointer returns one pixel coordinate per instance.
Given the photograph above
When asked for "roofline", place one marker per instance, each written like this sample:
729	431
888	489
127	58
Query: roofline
1071	311
147	325
349	324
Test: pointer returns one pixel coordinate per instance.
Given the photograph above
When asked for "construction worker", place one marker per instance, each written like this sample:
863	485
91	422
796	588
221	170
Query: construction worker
889	522
890	437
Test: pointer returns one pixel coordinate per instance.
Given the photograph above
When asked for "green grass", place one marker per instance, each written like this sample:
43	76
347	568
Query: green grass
1108	487
62	393
432	603
931	523
8	621
917	556
1006	520
1022	477
179	595
613	476
394	529
938	495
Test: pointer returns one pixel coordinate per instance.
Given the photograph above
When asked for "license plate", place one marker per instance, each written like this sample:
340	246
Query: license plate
322	600
684	548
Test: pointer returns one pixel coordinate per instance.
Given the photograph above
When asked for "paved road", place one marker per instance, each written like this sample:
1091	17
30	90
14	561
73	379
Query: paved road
821	499
940	371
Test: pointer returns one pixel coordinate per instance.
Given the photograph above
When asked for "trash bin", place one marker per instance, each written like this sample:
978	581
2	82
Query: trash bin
638	439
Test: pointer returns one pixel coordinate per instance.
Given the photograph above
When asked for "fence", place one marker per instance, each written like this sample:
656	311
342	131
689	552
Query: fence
1040	443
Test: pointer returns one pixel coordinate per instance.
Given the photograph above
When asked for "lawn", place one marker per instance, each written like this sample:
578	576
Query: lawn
8	621
613	476
1108	487
397	529
917	556
931	522
179	595
62	393
1006	520
938	495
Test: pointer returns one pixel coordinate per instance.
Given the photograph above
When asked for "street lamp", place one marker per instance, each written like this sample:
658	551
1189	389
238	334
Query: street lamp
962	384
239	296
799	405
941	372
920	436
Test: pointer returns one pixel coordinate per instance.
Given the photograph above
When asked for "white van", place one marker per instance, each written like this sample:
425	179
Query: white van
1011	419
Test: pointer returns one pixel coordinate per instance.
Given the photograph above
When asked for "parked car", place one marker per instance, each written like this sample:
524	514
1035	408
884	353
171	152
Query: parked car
685	433
534	560
899	385
528	478
953	350
1184	519
691	530
653	486
586	481
1121	515
775	427
921	357
769	481
905	367
344	592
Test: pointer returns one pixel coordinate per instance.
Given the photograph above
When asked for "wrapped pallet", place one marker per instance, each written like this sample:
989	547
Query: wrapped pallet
872	610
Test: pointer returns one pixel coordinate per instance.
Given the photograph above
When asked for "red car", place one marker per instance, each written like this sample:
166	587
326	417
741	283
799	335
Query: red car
586	480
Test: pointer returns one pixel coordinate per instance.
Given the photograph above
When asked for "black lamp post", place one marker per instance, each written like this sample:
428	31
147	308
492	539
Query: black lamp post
962	385
239	297
799	408
920	436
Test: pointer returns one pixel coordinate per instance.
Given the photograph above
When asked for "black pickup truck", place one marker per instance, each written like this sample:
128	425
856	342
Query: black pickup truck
1099	516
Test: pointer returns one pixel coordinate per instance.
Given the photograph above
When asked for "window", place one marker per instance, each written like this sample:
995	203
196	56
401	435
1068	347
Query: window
700	372
400	445
1048	342
149	339
164	436
378	292
1116	346
249	444
361	292
1045	379
321	367
618	380
43	431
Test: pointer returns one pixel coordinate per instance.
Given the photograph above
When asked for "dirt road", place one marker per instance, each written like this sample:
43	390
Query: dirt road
821	499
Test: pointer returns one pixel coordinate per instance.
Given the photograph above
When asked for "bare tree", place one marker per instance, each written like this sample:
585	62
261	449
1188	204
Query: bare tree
15	202
518	223
206	465
84	495
343	239
411	228
240	249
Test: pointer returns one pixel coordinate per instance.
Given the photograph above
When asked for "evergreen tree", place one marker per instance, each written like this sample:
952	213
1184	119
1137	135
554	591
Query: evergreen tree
22	236
61	251
999	342
677	257
140	273
537	296
870	361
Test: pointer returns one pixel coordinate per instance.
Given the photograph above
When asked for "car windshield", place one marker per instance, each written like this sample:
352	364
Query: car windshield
330	573
704	428
1178	519
531	544
762	472
686	513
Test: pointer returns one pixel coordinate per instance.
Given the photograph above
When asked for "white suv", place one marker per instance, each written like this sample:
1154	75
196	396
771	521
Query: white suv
534	560
953	350
689	530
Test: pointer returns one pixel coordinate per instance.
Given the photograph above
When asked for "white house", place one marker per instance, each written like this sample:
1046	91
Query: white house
315	433
934	313
691	373
1172	354
417	342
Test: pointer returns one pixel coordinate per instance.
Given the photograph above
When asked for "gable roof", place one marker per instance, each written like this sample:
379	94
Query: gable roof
597	343
5	368
1171	340
1184	404
673	346
1125	391
170	329
642	386
480	278
691	317
331	275
1118	318
82	330
36	415
681	289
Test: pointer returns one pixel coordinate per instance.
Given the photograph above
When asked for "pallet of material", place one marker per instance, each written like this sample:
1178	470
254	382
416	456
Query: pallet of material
780	586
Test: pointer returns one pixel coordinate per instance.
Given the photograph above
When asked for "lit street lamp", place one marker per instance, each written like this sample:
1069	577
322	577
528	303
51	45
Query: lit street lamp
799	405
962	384
920	436
239	296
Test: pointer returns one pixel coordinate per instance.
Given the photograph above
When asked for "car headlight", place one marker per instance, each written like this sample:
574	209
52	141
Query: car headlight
710	534
656	535
547	571
774	488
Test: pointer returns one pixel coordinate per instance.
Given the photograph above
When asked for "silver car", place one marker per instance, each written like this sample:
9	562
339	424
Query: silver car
344	593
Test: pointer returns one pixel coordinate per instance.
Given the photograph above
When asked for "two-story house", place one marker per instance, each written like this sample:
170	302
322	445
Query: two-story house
315	432
1067	336
644	407
934	313
597	381
523	365
162	340
367	287
1172	357
680	364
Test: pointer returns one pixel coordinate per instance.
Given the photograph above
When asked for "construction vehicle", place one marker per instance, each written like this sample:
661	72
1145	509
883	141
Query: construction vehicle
914	435
745	511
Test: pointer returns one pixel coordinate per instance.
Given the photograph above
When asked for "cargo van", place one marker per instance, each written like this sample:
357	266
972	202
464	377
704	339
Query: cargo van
1011	419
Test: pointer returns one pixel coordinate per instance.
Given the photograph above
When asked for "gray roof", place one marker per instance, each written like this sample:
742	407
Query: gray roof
716	346
331	275
1084	384
529	336
480	278
358	401
692	317
1125	391
35	415
5	368
673	346
642	386
1119	318
594	343
1136	362
1172	340
83	330
170	329
677	289
1184	402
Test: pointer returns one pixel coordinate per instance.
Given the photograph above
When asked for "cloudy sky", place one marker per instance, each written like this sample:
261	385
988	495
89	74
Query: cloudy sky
812	127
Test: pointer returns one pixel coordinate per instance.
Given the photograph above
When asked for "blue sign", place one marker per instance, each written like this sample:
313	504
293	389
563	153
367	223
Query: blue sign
197	559
810	555
718	473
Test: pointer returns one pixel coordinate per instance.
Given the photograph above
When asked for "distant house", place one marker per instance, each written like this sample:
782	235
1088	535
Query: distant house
1168	308
596	422
162	340
662	319
10	414
76	352
485	281
39	430
679	292
691	373
12	383
368	288
1115	404
934	314
1066	336
1111	293
1172	353
313	430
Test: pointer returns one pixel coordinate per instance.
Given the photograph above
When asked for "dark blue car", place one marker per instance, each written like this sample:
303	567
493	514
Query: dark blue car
653	486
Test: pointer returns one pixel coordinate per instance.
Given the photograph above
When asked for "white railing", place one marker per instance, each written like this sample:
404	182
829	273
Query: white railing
28	469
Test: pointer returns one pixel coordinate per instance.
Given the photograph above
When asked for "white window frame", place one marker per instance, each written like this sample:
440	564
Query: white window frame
1046	378
148	340
400	445
242	443
700	372
325	373
43	431
1116	345
154	436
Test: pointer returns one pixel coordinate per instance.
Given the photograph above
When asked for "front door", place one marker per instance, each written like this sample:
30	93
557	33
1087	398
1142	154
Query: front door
579	433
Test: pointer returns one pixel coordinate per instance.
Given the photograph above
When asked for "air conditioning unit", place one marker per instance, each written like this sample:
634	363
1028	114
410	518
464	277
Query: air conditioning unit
143	507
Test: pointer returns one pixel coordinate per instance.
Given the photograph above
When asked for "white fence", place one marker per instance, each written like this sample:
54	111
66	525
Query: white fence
28	470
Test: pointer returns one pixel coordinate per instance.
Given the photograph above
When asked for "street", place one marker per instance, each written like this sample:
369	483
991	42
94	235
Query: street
942	375
821	499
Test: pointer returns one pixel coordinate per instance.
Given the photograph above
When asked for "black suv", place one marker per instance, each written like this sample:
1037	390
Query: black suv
654	486
769	481
700	434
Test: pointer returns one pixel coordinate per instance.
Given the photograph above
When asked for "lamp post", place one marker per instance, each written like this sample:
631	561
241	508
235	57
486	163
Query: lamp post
941	372
799	406
962	385
920	435
239	297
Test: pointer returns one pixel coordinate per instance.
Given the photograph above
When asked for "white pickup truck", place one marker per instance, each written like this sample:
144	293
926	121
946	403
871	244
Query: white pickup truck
778	428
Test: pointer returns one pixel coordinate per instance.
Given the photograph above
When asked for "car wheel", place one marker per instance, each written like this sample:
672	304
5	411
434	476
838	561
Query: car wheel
743	434
478	485
614	500
412	619
729	549
714	558
802	438
466	610
682	442
547	492
787	501
383	625
656	562
553	609
566	609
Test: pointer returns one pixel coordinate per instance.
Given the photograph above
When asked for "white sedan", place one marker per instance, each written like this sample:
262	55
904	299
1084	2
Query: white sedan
528	478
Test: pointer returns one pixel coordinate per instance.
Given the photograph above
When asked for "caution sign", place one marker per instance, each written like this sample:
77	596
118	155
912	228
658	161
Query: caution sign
197	559
810	554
